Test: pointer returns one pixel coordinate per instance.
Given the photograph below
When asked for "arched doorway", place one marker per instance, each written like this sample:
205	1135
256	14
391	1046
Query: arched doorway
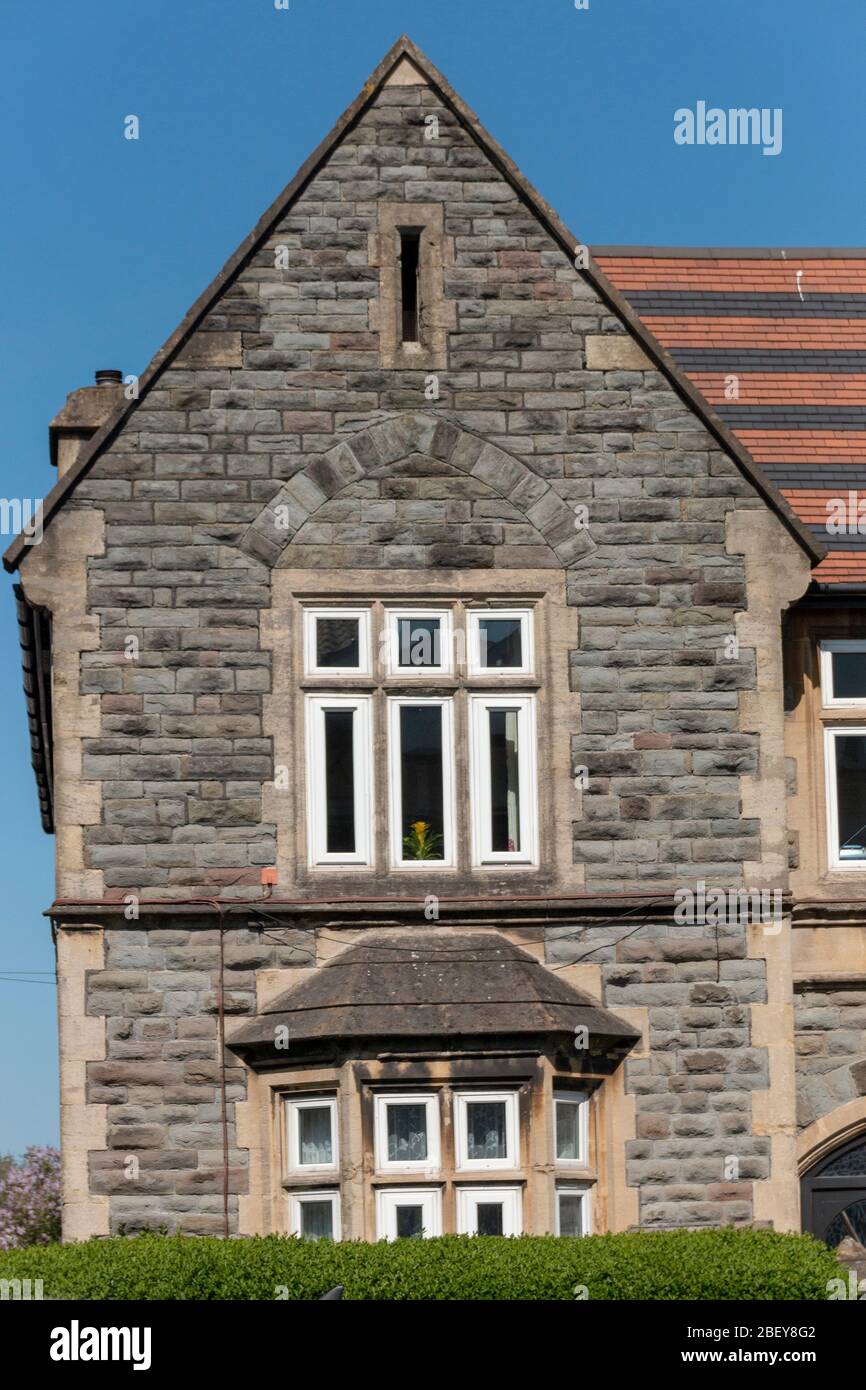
834	1194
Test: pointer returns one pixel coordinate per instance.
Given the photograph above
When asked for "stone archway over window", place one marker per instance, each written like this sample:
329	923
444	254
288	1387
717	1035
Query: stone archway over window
538	527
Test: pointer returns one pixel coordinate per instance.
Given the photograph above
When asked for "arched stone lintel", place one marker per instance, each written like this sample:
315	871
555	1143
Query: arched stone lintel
388	441
826	1134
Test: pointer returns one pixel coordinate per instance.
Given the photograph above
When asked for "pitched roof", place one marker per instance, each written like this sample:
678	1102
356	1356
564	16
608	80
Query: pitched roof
405	49
431	984
790	326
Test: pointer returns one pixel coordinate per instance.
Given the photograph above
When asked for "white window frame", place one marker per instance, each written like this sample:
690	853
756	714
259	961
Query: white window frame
527	640
584	1192
432	1162
297	1200
388	1199
395	704
293	1148
830	736
317	823
479	761
461	1132
469	1198
364	667
391	653
580	1099
828	697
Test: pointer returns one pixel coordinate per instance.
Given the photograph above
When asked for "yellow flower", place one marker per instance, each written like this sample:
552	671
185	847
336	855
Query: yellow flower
420	827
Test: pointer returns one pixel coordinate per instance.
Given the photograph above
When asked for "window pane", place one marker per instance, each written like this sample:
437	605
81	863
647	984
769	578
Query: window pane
570	1214
421	782
488	1218
485	1125
851	795
849	675
410	1221
418	642
314	1134
407	1133
567	1130
340	781
500	642
410	257
504	781
337	642
317	1220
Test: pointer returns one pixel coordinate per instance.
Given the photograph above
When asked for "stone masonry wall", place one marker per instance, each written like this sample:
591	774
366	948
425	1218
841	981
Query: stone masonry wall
160	1077
831	1050
284	369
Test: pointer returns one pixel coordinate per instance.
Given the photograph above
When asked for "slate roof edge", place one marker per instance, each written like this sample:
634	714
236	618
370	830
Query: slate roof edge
34	634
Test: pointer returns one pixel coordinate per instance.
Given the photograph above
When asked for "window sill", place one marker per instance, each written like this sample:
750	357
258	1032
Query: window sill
433	1177
300	1182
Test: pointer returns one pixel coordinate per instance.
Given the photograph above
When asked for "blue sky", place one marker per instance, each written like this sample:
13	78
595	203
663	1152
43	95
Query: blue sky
105	242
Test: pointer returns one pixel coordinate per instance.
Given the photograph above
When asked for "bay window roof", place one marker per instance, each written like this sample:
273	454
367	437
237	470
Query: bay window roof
422	984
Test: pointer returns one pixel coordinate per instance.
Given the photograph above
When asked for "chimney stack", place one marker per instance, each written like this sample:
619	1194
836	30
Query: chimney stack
86	410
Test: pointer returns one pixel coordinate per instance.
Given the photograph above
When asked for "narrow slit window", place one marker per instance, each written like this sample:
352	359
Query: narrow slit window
410	259
340	781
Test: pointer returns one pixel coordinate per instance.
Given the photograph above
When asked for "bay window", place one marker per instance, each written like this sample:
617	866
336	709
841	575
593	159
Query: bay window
413	1163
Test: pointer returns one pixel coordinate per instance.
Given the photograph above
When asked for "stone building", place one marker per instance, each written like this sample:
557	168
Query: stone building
452	718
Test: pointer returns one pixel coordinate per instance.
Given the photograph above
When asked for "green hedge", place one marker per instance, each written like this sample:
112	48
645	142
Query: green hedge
726	1264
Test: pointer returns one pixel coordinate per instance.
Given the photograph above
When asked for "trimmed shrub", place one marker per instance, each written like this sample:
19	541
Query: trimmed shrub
670	1265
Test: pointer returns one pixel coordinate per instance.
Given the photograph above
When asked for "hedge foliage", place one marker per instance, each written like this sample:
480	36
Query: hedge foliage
722	1264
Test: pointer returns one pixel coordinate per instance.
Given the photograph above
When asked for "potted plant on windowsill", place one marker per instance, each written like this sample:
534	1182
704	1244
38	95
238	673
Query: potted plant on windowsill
422	842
